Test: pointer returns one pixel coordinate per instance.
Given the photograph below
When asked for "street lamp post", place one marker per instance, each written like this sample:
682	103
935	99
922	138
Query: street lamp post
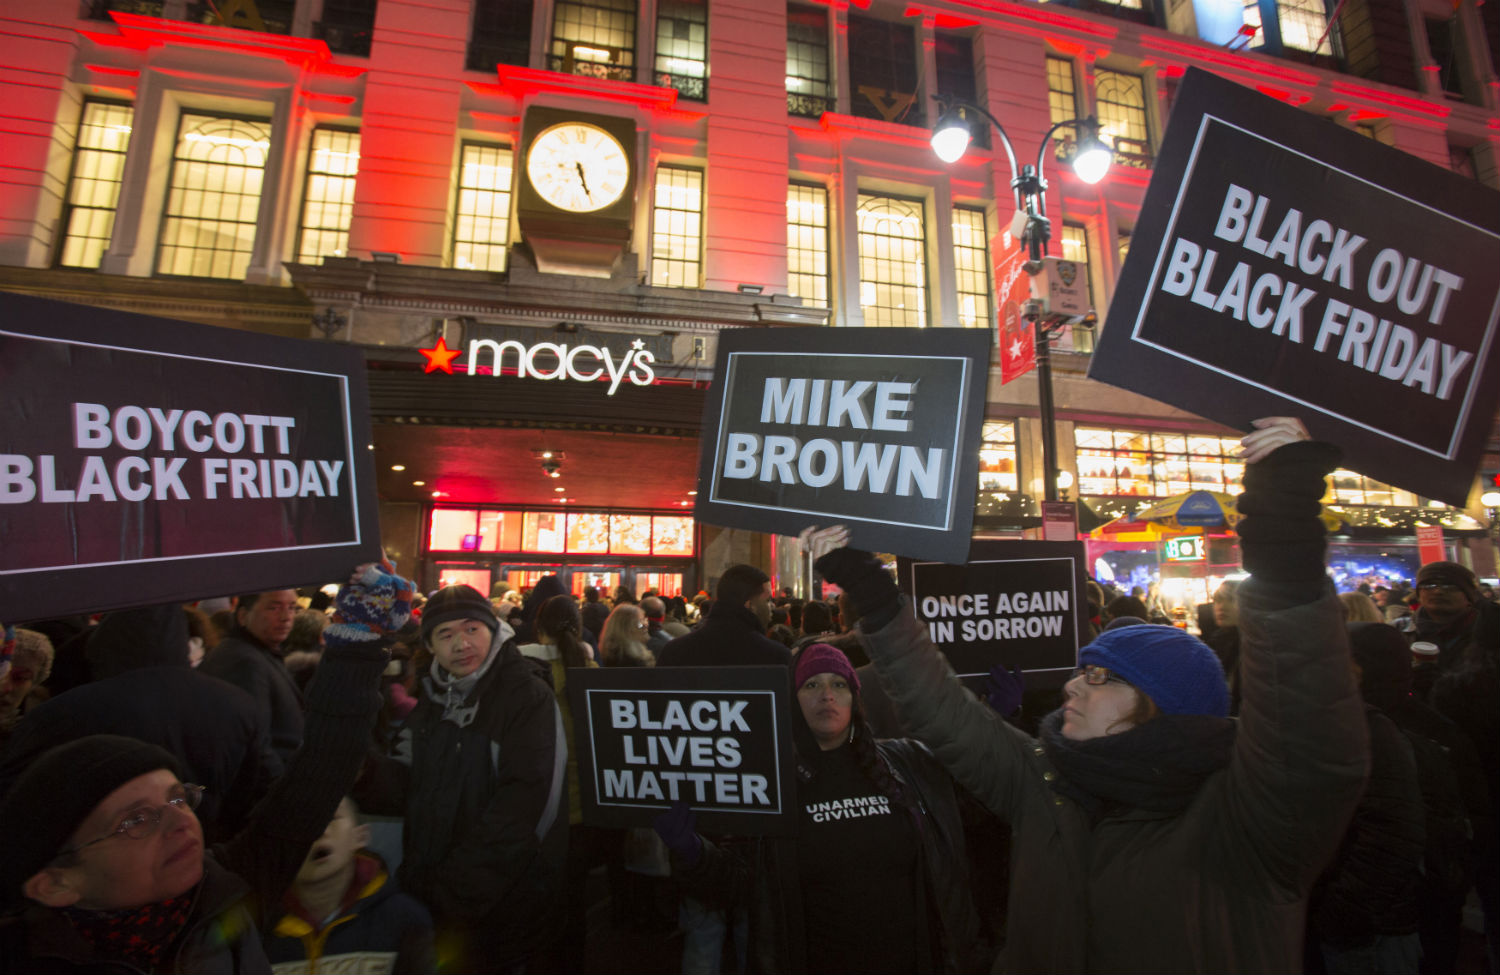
950	139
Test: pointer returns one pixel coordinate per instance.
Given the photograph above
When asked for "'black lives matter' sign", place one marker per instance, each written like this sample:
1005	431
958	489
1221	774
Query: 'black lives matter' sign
877	429
1286	266
144	460
714	737
1020	604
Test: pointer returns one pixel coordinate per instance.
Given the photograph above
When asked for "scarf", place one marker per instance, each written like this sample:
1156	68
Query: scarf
140	936
456	694
1158	766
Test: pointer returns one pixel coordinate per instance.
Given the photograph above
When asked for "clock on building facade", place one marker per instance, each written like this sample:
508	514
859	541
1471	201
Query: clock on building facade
576	200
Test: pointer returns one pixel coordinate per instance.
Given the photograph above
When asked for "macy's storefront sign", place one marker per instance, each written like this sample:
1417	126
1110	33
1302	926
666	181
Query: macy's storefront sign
549	360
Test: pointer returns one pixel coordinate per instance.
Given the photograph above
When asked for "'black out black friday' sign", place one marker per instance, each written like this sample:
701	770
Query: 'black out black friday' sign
144	460
1021	604
877	429
715	737
1283	265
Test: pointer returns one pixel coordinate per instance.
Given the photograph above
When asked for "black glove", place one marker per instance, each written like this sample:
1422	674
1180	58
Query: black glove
867	583
1003	690
678	829
1281	535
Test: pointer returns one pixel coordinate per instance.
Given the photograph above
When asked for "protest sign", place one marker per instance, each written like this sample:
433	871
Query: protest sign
1021	604
715	736
1283	265
144	460
874	428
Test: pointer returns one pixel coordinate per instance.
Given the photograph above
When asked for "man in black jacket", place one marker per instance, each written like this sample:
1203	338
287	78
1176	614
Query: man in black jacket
250	657
734	635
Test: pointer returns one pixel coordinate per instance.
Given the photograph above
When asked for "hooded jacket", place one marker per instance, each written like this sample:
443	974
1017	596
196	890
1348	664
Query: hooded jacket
147	690
486	821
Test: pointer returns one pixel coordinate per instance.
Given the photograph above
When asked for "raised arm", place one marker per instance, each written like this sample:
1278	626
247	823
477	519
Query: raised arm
1302	751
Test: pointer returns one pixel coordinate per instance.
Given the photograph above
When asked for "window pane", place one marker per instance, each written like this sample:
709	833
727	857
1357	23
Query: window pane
892	261
998	475
213	196
630	534
500	531
807	243
453	530
807	90
542	532
672	536
501	34
452	575
1122	116
481	226
94	189
595	39
676	238
883	71
971	266
682	47
328	197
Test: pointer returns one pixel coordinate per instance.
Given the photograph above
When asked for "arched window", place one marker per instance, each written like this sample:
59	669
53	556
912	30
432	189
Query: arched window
892	261
208	226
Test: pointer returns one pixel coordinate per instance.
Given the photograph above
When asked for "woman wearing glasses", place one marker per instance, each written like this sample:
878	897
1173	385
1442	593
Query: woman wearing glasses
1151	832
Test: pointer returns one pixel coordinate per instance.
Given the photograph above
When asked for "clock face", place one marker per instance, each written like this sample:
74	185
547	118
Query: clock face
576	166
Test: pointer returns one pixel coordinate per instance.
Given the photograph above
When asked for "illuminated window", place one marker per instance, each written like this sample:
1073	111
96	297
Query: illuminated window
453	530
573	532
1121	107
481	225
1062	101
892	261
1136	463
682	47
501	34
94	185
971	267
883	71
542	531
677	228
671	536
595	39
213	197
998	479
588	531
807	91
664	584
807	243
328	198
1349	487
630	534
1301	23
458	575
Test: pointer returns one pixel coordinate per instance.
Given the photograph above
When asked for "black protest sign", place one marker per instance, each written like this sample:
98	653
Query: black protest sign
716	737
144	460
1283	265
1021	604
874	428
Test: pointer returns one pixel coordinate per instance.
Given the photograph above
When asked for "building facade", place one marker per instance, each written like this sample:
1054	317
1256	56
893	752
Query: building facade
593	187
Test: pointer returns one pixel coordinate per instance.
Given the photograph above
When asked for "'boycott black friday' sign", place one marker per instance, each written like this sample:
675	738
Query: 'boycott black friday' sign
716	737
874	428
1021	604
144	460
1285	266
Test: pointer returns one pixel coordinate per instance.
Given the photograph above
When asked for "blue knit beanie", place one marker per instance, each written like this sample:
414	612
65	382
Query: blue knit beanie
1177	671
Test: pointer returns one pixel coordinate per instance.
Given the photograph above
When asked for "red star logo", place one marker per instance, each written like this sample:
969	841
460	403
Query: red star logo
440	357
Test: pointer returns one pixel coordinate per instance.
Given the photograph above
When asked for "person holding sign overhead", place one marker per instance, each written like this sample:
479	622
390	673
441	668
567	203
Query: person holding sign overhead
1152	833
876	879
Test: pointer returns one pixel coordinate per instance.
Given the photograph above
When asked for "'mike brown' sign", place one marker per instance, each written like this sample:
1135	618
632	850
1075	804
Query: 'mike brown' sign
1021	604
144	460
874	428
715	737
1286	266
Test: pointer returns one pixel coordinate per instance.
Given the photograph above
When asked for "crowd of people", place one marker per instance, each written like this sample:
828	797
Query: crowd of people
379	781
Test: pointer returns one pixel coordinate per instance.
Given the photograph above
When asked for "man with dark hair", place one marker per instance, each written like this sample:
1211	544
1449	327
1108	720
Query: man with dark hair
1452	614
594	611
250	657
735	632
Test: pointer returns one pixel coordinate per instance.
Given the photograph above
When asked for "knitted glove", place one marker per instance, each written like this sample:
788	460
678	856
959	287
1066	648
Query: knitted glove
1003	690
1281	535
373	604
862	577
678	829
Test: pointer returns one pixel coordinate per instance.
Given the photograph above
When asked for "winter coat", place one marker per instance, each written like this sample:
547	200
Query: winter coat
1372	888
245	662
552	657
379	931
486	821
243	879
1221	886
730	637
763	873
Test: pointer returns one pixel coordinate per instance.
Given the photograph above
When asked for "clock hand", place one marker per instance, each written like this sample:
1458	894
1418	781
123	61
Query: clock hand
582	179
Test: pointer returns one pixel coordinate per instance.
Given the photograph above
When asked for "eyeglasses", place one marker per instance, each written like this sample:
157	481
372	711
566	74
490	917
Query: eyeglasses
143	823
1095	675
1440	587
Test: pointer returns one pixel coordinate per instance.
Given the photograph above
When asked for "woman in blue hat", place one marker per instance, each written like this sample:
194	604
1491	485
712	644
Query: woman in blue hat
1151	831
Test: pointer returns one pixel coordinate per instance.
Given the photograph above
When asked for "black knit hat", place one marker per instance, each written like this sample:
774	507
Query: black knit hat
58	792
1452	574
457	603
